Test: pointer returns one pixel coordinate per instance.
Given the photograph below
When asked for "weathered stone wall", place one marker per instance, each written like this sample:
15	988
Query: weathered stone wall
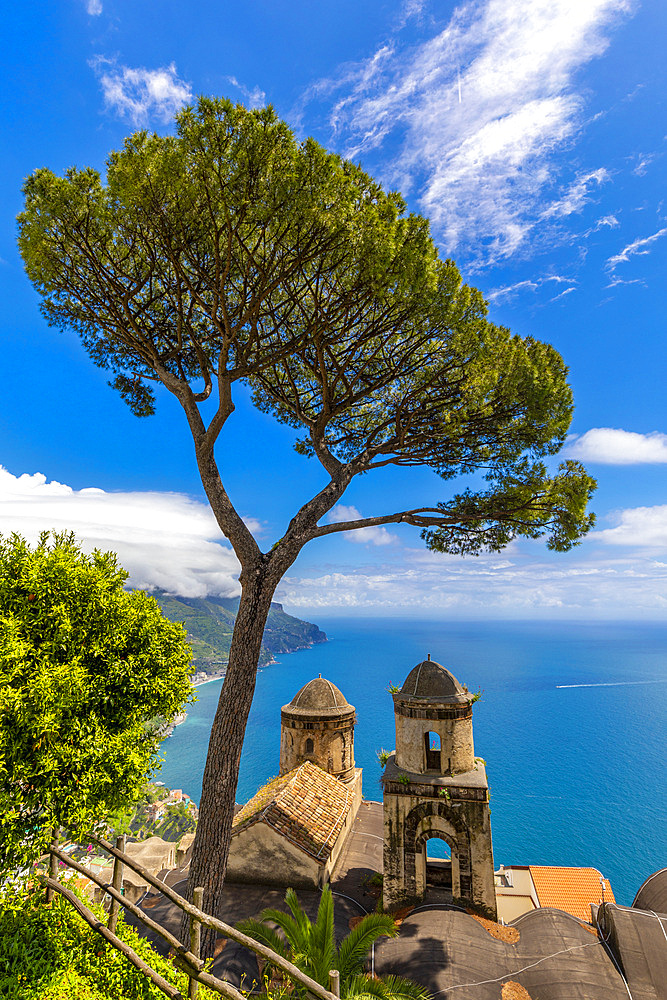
258	854
457	754
332	742
455	812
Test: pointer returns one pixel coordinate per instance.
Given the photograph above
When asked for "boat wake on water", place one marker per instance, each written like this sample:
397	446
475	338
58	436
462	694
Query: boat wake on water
610	684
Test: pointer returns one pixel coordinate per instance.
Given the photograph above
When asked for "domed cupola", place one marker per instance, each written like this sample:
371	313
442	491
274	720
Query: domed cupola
318	725
433	712
433	681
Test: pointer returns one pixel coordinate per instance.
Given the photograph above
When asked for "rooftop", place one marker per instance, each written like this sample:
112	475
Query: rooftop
570	889
306	805
434	682
320	697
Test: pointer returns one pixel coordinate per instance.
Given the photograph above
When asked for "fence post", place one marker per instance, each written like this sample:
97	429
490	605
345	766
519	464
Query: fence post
117	883
334	982
195	939
53	862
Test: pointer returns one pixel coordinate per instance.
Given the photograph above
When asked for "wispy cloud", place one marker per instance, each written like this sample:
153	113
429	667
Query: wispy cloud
94	7
141	94
255	97
607	222
612	446
163	540
375	535
638	247
475	114
508	292
577	195
561	295
608	582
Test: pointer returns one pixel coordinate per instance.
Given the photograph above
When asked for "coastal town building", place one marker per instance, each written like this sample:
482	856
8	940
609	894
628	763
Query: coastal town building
435	787
522	888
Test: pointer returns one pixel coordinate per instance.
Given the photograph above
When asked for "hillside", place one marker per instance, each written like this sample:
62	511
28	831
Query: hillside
209	622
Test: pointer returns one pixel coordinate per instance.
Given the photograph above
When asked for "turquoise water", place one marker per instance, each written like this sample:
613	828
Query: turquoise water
571	724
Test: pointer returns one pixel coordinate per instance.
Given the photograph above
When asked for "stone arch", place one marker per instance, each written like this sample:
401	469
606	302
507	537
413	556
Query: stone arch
436	819
309	745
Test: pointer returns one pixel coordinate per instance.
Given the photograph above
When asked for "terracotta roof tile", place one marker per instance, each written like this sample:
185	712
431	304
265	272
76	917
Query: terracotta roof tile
307	805
570	889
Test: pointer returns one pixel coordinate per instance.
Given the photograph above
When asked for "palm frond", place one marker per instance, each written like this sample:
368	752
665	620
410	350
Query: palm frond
300	916
261	932
355	946
291	928
323	941
362	987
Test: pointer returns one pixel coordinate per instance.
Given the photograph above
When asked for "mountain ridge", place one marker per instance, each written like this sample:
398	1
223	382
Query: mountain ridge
209	622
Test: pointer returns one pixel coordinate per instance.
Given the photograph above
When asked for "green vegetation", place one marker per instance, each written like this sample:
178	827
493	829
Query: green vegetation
383	756
138	820
50	953
312	948
83	666
209	623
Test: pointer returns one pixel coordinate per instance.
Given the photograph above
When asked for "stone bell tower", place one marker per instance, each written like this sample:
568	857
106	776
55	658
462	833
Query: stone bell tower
434	786
318	725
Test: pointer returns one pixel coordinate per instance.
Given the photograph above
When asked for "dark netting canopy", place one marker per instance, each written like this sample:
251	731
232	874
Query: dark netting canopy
638	939
557	957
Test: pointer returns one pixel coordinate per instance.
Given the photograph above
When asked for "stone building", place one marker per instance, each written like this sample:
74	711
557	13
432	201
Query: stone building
435	787
318	725
292	831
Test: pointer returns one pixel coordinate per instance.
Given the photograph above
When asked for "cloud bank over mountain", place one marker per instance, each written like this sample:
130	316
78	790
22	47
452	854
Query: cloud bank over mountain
164	540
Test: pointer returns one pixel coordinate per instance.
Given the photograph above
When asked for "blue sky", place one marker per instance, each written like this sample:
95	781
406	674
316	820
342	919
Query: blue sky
530	132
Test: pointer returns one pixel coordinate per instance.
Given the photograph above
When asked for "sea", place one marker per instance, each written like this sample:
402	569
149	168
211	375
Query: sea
571	723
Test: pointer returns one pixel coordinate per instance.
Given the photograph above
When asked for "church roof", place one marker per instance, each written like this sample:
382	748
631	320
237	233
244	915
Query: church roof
307	806
433	681
318	697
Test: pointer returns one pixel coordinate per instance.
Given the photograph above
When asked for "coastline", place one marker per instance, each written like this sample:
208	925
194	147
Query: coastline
220	675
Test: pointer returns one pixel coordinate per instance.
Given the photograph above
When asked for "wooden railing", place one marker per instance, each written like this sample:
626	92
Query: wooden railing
186	959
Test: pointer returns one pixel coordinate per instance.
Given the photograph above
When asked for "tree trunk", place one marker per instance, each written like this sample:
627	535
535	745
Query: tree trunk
216	810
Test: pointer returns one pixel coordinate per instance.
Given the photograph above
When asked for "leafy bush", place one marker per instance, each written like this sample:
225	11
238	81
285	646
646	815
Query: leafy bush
50	953
83	666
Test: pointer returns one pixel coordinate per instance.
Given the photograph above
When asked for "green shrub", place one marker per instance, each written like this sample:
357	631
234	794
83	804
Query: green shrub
50	953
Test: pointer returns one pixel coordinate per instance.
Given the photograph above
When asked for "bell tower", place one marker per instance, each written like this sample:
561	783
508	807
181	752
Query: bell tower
318	725
435	787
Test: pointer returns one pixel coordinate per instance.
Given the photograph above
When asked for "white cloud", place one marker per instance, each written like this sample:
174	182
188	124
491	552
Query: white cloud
562	294
375	535
508	292
163	540
94	7
636	248
644	527
577	195
140	94
610	221
586	583
612	446
478	112
255	98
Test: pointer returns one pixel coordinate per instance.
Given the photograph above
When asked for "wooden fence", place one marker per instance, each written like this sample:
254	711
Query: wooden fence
186	959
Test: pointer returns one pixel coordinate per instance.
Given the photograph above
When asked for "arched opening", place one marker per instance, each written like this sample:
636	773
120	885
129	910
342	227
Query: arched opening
437	870
310	746
432	746
438	864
